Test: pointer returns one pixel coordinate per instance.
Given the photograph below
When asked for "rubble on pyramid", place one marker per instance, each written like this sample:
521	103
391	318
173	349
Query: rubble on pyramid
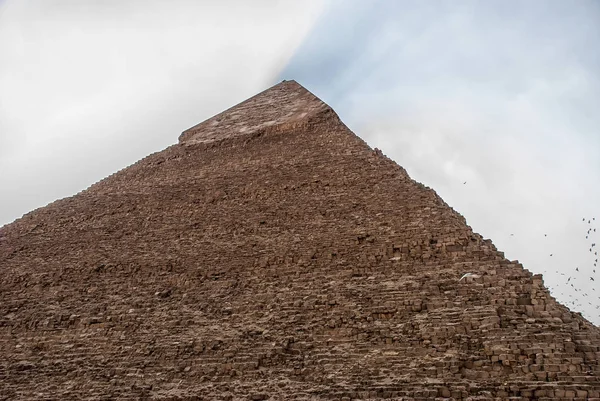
272	254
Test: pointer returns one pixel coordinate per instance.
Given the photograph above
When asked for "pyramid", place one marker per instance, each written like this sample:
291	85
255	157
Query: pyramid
272	254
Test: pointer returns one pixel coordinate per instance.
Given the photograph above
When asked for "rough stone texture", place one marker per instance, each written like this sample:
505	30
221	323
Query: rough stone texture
286	260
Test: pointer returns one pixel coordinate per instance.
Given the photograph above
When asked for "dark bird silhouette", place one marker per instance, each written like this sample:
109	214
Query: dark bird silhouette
464	183
550	254
511	235
545	235
591	278
577	268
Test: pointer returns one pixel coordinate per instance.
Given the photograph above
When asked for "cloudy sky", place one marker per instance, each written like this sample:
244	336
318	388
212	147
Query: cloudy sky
502	95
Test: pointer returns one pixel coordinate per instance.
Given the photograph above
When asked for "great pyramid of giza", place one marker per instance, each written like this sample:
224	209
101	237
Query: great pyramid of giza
272	254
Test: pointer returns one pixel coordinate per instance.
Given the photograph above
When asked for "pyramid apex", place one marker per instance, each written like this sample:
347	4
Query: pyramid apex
284	103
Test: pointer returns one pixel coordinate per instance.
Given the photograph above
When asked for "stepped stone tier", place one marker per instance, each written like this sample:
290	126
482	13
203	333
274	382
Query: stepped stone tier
272	254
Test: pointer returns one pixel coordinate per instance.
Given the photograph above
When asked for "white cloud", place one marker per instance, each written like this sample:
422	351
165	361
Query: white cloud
87	88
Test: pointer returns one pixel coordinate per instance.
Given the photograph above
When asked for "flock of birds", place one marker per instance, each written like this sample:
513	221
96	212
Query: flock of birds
572	291
581	299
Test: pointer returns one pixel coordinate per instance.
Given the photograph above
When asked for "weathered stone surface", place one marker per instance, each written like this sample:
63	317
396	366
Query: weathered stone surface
284	104
275	261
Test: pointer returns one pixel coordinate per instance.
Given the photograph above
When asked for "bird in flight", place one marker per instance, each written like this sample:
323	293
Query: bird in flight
468	275
577	268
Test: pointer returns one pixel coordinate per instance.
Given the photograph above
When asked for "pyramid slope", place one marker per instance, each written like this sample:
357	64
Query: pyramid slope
290	262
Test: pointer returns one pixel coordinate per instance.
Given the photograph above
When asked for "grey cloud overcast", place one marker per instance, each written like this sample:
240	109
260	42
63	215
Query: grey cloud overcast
501	94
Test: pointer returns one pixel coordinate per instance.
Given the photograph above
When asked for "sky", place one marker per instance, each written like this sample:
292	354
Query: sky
493	104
